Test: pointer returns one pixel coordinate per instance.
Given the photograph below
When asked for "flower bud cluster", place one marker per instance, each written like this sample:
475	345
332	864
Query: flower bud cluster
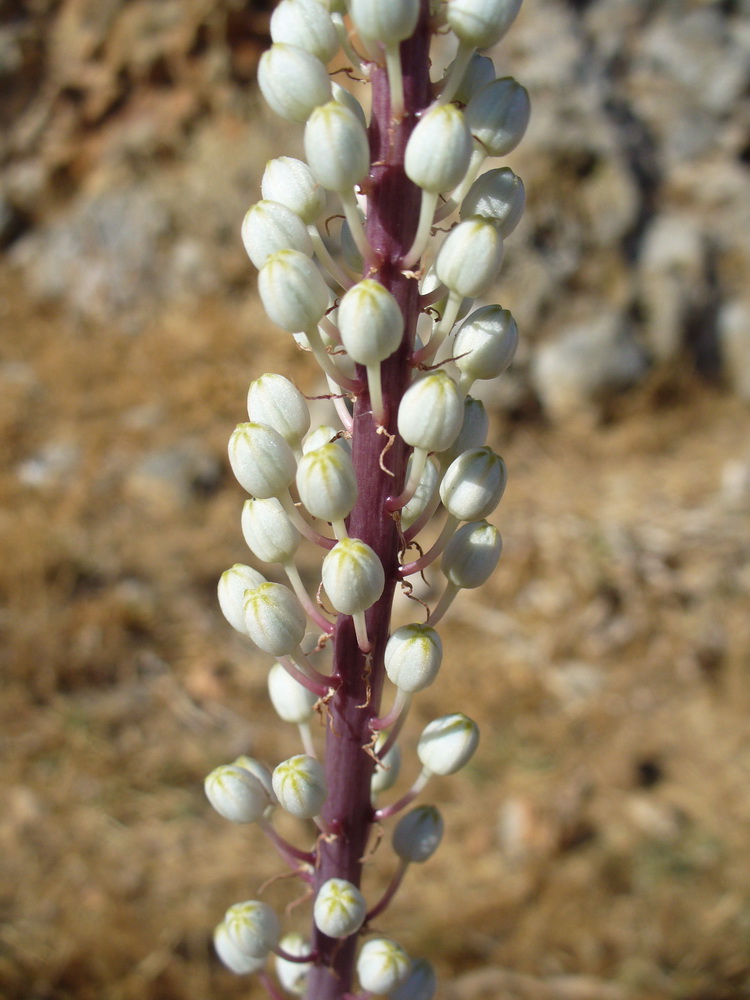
305	481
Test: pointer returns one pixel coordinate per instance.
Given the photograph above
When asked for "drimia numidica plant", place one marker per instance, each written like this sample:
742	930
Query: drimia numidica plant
392	324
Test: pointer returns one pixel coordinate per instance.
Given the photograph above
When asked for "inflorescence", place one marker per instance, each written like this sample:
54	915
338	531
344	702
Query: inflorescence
388	317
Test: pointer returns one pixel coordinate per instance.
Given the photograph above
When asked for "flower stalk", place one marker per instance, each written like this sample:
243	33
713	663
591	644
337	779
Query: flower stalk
393	176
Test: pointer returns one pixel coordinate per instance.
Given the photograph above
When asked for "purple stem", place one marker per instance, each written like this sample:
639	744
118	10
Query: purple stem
392	215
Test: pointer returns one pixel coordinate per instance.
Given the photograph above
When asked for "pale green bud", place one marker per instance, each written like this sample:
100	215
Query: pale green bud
324	435
231	956
382	965
353	576
420	984
274	400
498	116
485	343
370	322
269	533
293	702
473	431
498	196
292	290
259	771
291	183
339	908
417	835
293	976
347	98
232	586
431	412
448	743
268	227
293	82
439	149
478	74
300	786
413	655
386	21
261	460
472	554
326	482
275	619
336	147
253	927
306	24
236	794
470	257
473	484
481	23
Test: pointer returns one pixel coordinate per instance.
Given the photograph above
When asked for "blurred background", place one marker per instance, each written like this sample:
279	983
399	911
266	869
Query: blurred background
597	846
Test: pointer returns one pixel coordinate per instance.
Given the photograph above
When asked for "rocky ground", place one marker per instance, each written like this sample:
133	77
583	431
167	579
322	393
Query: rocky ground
597	846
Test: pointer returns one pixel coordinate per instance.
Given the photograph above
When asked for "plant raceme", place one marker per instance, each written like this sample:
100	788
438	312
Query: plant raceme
389	315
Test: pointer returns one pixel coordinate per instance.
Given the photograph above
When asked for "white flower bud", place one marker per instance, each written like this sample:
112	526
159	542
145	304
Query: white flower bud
382	965
275	619
268	227
339	909
370	322
292	290
324	435
387	771
275	401
387	22
498	196
431	412
261	460
439	149
293	82
472	554
353	576
481	23
293	975
448	743
253	927
423	493
306	24
300	786
269	533
473	431
420	984
498	116
326	482
473	484
231	956
293	702
417	835
470	257
478	74
485	343
259	771
236	794
347	98
291	183
336	147
232	586
413	655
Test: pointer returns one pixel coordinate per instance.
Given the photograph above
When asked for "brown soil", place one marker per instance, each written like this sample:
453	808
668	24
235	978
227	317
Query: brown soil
597	845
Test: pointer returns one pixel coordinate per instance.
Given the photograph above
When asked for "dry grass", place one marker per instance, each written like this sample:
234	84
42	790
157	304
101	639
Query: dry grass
597	846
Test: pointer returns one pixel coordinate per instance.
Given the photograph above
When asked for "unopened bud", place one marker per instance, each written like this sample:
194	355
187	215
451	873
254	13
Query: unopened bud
472	554
470	257
293	702
268	227
498	116
420	984
431	412
232	586
439	149
236	794
291	183
293	82
353	576
293	976
473	484
417	835
385	22
339	908
382	965
231	956
306	24
413	655
481	23
253	926
336	147
275	401
275	619
326	482
300	786
498	196
485	343
293	291
269	533
448	743
261	460
370	322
